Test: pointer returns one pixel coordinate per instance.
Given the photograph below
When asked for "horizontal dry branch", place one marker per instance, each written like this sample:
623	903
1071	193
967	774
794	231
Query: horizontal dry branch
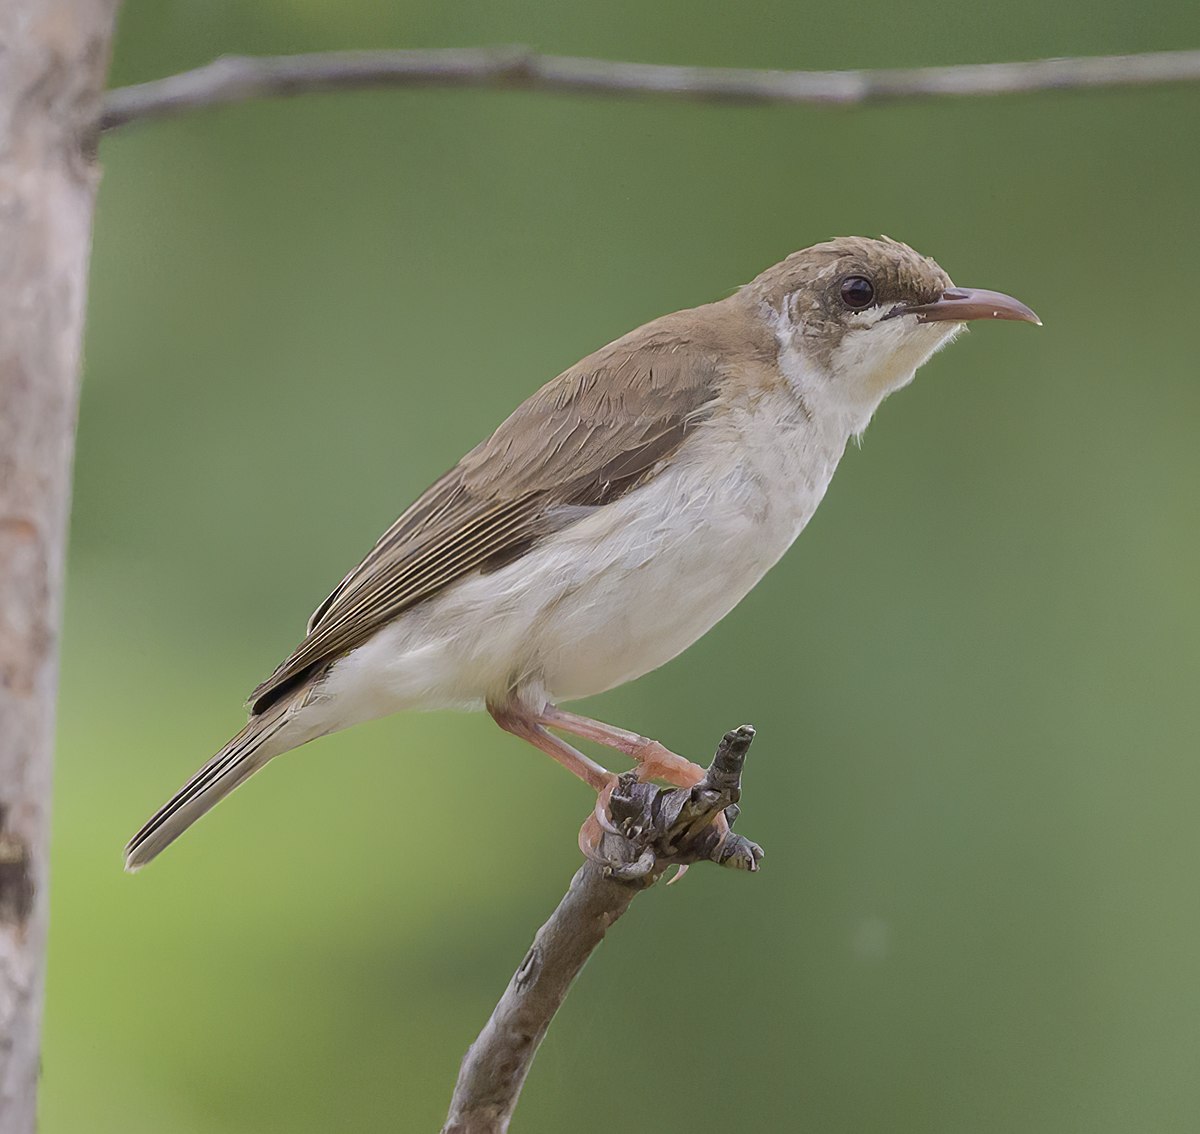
240	78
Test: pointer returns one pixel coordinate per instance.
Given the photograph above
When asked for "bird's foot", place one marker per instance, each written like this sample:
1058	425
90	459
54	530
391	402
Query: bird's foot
656	827
599	824
657	762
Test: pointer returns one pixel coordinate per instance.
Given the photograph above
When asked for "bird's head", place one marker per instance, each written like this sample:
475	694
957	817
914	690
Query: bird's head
855	317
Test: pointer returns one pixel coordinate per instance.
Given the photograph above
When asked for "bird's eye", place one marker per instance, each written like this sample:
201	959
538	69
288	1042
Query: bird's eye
857	291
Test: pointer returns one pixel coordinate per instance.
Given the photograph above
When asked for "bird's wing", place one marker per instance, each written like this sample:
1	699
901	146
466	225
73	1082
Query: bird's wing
594	433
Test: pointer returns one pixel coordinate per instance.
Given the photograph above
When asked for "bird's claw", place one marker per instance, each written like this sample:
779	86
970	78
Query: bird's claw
637	829
600	812
599	824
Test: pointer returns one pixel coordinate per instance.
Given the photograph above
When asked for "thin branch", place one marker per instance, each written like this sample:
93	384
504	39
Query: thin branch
660	827
240	78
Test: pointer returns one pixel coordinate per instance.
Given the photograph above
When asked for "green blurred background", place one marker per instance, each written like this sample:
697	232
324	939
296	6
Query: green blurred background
975	678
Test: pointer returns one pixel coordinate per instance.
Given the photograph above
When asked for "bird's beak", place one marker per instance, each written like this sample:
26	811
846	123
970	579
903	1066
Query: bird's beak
960	304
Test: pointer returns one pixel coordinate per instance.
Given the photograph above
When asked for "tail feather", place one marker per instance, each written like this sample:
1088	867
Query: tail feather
265	735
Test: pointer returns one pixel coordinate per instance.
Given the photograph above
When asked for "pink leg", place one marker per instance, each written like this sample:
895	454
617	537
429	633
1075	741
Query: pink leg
655	761
597	777
529	728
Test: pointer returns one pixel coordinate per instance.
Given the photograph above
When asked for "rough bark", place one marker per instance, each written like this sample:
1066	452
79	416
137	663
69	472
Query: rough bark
657	828
53	62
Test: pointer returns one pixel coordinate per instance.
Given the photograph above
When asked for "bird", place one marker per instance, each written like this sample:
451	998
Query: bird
610	521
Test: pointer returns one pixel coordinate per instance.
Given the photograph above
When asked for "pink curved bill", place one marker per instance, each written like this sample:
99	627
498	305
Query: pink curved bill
961	304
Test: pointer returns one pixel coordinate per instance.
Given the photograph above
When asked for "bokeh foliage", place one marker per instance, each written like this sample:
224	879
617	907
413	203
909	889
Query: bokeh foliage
975	678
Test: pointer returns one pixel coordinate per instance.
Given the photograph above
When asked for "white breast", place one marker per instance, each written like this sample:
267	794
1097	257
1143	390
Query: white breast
616	594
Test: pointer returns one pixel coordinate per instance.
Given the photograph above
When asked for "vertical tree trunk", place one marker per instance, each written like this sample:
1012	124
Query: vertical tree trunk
53	61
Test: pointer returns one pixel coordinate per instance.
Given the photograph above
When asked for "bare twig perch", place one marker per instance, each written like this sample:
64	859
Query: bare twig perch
660	827
240	78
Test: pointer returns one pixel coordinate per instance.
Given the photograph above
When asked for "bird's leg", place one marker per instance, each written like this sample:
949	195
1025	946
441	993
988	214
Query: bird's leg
654	760
596	776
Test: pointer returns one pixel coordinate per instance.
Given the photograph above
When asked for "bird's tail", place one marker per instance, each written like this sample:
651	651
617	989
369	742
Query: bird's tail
265	735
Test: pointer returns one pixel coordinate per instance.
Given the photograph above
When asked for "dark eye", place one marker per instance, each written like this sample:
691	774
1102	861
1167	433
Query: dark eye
857	291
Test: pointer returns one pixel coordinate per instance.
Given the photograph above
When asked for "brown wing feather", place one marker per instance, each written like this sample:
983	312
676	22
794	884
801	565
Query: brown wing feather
594	433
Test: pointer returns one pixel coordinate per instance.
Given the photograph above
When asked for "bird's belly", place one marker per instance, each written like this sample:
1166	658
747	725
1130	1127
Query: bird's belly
671	577
603	601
